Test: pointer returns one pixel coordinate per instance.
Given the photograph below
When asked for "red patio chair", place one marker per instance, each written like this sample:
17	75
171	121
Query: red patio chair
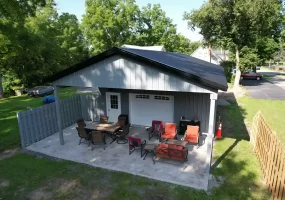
192	134
136	144
156	129
170	131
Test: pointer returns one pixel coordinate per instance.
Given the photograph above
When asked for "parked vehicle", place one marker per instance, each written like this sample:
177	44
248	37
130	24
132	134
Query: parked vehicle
40	91
251	75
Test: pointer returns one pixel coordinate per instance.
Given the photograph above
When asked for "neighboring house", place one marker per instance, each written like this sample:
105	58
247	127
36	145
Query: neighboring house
215	56
149	85
152	48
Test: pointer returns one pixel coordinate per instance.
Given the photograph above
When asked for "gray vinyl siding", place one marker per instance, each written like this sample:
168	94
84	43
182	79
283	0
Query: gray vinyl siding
120	72
189	105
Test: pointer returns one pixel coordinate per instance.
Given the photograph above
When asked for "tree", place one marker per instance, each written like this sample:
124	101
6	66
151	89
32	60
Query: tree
249	58
12	30
71	40
184	45
239	23
108	23
154	28
42	44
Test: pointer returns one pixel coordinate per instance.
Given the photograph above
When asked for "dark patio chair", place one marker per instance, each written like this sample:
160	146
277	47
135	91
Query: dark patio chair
82	133
81	123
98	138
156	129
122	121
120	135
104	119
170	132
136	144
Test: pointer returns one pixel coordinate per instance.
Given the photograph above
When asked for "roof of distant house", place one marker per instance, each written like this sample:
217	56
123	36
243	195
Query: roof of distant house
186	66
152	48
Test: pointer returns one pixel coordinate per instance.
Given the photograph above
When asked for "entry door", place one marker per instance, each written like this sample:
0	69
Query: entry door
113	105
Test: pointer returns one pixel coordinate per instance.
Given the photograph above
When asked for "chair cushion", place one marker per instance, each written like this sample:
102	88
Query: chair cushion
193	139
171	151
170	128
192	134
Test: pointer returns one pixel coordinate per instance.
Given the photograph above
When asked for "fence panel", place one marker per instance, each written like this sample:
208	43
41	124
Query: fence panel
38	123
271	155
89	104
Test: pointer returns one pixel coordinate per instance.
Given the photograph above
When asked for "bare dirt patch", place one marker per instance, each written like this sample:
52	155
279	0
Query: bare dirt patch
67	189
4	183
41	194
8	153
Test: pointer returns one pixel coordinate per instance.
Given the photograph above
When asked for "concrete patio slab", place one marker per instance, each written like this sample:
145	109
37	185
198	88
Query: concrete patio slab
193	173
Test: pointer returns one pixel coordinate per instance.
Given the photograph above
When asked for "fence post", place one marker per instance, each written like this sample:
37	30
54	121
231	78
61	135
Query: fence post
58	115
23	142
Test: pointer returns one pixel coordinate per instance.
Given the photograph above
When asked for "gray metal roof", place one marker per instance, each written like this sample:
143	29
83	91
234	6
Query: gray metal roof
207	72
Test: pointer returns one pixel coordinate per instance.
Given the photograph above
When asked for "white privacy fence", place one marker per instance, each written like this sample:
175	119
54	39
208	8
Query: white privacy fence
38	123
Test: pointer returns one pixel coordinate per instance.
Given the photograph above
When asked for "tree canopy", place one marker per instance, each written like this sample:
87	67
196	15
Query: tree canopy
238	24
36	41
118	22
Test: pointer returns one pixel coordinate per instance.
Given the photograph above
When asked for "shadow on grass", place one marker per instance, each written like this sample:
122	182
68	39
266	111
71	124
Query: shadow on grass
233	125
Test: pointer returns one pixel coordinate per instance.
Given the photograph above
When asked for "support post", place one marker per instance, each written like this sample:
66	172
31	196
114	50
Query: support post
212	115
58	114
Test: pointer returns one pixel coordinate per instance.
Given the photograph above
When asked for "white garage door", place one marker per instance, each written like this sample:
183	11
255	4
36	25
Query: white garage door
145	107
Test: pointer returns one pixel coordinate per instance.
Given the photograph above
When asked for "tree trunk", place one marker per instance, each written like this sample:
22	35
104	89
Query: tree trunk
1	88
238	73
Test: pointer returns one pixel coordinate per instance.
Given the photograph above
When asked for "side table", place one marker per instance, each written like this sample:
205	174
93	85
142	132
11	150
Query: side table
148	148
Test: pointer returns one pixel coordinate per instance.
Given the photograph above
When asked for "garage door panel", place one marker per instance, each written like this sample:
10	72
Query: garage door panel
145	108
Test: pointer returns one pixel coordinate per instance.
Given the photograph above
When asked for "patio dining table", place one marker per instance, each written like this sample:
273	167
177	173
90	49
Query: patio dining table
109	128
105	128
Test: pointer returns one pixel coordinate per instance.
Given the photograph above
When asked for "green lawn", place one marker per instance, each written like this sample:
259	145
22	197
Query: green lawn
24	176
9	107
234	158
272	110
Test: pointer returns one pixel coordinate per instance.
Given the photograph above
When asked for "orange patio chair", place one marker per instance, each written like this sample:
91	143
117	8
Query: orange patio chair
170	131
192	134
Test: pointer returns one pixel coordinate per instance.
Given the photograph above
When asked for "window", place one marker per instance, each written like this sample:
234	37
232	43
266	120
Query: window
114	101
161	98
142	96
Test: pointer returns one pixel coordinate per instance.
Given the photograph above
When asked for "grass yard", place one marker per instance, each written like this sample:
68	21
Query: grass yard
29	177
67	180
9	107
272	110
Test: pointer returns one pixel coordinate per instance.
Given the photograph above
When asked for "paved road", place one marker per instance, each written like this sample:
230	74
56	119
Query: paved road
263	89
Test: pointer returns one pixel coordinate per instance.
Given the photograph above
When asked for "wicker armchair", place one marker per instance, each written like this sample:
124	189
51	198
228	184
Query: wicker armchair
120	135
104	119
97	138
82	133
81	123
